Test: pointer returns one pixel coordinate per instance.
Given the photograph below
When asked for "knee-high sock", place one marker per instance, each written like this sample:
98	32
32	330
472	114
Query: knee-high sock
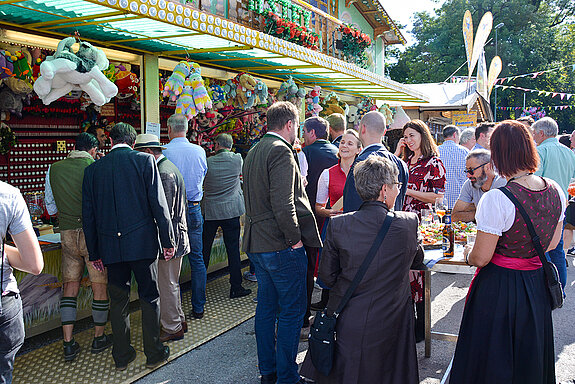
68	307
100	311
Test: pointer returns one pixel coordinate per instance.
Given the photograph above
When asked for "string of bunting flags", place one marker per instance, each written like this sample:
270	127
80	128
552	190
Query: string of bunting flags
548	107
562	95
532	75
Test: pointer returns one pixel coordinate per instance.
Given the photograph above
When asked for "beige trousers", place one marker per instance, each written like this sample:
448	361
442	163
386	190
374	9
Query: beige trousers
171	312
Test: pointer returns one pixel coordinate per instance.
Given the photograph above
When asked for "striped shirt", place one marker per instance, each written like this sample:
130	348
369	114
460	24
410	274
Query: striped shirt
453	157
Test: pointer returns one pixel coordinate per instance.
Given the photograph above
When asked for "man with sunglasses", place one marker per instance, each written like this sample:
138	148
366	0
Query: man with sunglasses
481	177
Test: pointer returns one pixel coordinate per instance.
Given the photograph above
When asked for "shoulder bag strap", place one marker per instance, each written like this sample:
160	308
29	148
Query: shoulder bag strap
366	262
2	272
534	237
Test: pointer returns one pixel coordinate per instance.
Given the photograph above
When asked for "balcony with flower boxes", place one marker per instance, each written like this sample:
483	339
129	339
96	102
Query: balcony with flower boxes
316	24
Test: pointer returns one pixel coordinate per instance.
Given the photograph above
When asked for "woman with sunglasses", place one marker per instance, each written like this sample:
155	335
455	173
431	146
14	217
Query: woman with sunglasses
506	332
426	184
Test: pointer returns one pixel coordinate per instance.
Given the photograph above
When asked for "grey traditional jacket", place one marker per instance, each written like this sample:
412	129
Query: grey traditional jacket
175	190
278	212
223	196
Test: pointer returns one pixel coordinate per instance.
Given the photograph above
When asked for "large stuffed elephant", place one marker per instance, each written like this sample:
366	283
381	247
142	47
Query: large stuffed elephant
67	71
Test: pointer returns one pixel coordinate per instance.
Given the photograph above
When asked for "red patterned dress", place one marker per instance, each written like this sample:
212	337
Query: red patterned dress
426	175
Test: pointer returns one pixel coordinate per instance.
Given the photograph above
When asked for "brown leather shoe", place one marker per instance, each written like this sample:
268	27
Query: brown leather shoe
185	326
165	336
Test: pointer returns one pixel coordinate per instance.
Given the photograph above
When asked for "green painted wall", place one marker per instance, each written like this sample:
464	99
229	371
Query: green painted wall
352	16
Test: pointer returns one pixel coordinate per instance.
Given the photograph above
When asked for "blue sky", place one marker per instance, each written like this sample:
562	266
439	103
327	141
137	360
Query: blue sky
402	12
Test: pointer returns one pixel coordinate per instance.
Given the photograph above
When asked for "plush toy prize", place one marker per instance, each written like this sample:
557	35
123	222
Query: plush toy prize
66	71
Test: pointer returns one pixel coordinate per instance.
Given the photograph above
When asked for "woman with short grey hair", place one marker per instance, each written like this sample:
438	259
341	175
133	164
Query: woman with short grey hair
372	174
375	330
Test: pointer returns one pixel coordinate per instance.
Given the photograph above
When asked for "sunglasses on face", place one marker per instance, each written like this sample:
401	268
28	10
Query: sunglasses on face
470	171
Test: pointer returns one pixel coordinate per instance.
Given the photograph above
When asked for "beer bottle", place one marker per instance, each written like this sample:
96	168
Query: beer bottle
448	236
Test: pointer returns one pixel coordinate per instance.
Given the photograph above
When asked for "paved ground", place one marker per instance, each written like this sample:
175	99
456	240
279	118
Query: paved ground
231	358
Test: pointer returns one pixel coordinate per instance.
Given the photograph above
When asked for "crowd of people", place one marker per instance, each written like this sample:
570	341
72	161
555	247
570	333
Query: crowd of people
311	215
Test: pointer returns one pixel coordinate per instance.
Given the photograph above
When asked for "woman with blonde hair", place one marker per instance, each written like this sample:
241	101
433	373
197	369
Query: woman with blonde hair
330	191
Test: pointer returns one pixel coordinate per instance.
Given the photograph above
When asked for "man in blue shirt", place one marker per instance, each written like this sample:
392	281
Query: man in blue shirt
453	155
371	131
190	159
483	134
557	162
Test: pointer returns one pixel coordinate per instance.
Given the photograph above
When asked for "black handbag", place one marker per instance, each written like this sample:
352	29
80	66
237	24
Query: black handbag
322	337
551	275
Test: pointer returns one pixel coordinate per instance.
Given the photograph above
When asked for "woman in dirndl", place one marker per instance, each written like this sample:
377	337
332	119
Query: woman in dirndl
506	333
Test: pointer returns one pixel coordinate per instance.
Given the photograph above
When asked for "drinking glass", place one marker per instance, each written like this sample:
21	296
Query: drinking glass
426	217
440	207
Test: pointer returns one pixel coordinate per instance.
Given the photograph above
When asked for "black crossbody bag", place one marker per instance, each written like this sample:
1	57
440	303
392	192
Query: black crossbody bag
322	335
551	275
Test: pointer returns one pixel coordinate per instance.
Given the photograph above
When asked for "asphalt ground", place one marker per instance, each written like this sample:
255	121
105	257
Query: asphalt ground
232	357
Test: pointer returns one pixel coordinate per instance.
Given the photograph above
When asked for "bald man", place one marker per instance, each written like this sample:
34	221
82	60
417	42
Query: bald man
371	130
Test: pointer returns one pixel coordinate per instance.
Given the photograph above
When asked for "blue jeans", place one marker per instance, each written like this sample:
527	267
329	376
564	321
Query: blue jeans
557	257
282	297
195	223
11	335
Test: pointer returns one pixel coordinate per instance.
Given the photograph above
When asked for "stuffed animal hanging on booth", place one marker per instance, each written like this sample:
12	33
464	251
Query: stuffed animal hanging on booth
67	70
127	82
186	87
202	100
289	91
312	101
175	84
259	95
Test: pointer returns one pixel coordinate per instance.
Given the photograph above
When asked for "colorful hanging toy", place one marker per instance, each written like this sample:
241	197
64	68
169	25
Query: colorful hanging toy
187	88
67	70
243	91
289	91
312	102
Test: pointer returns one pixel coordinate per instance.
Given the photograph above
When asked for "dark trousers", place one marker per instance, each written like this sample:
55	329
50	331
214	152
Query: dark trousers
11	334
119	281
231	231
311	259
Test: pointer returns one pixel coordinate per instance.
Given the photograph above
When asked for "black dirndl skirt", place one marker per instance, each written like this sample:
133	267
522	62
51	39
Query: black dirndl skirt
506	333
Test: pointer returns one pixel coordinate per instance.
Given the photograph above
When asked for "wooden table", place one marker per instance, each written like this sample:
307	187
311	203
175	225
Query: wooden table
455	265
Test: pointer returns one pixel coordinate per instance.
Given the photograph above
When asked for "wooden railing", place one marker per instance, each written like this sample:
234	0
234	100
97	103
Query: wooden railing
323	24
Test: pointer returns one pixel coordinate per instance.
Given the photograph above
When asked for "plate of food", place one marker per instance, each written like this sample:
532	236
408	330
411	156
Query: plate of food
432	235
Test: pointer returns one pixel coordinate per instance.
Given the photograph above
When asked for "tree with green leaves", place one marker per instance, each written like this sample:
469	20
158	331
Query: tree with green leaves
537	35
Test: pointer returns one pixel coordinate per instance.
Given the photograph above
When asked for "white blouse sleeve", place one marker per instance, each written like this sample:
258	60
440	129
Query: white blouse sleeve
323	188
495	213
302	163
